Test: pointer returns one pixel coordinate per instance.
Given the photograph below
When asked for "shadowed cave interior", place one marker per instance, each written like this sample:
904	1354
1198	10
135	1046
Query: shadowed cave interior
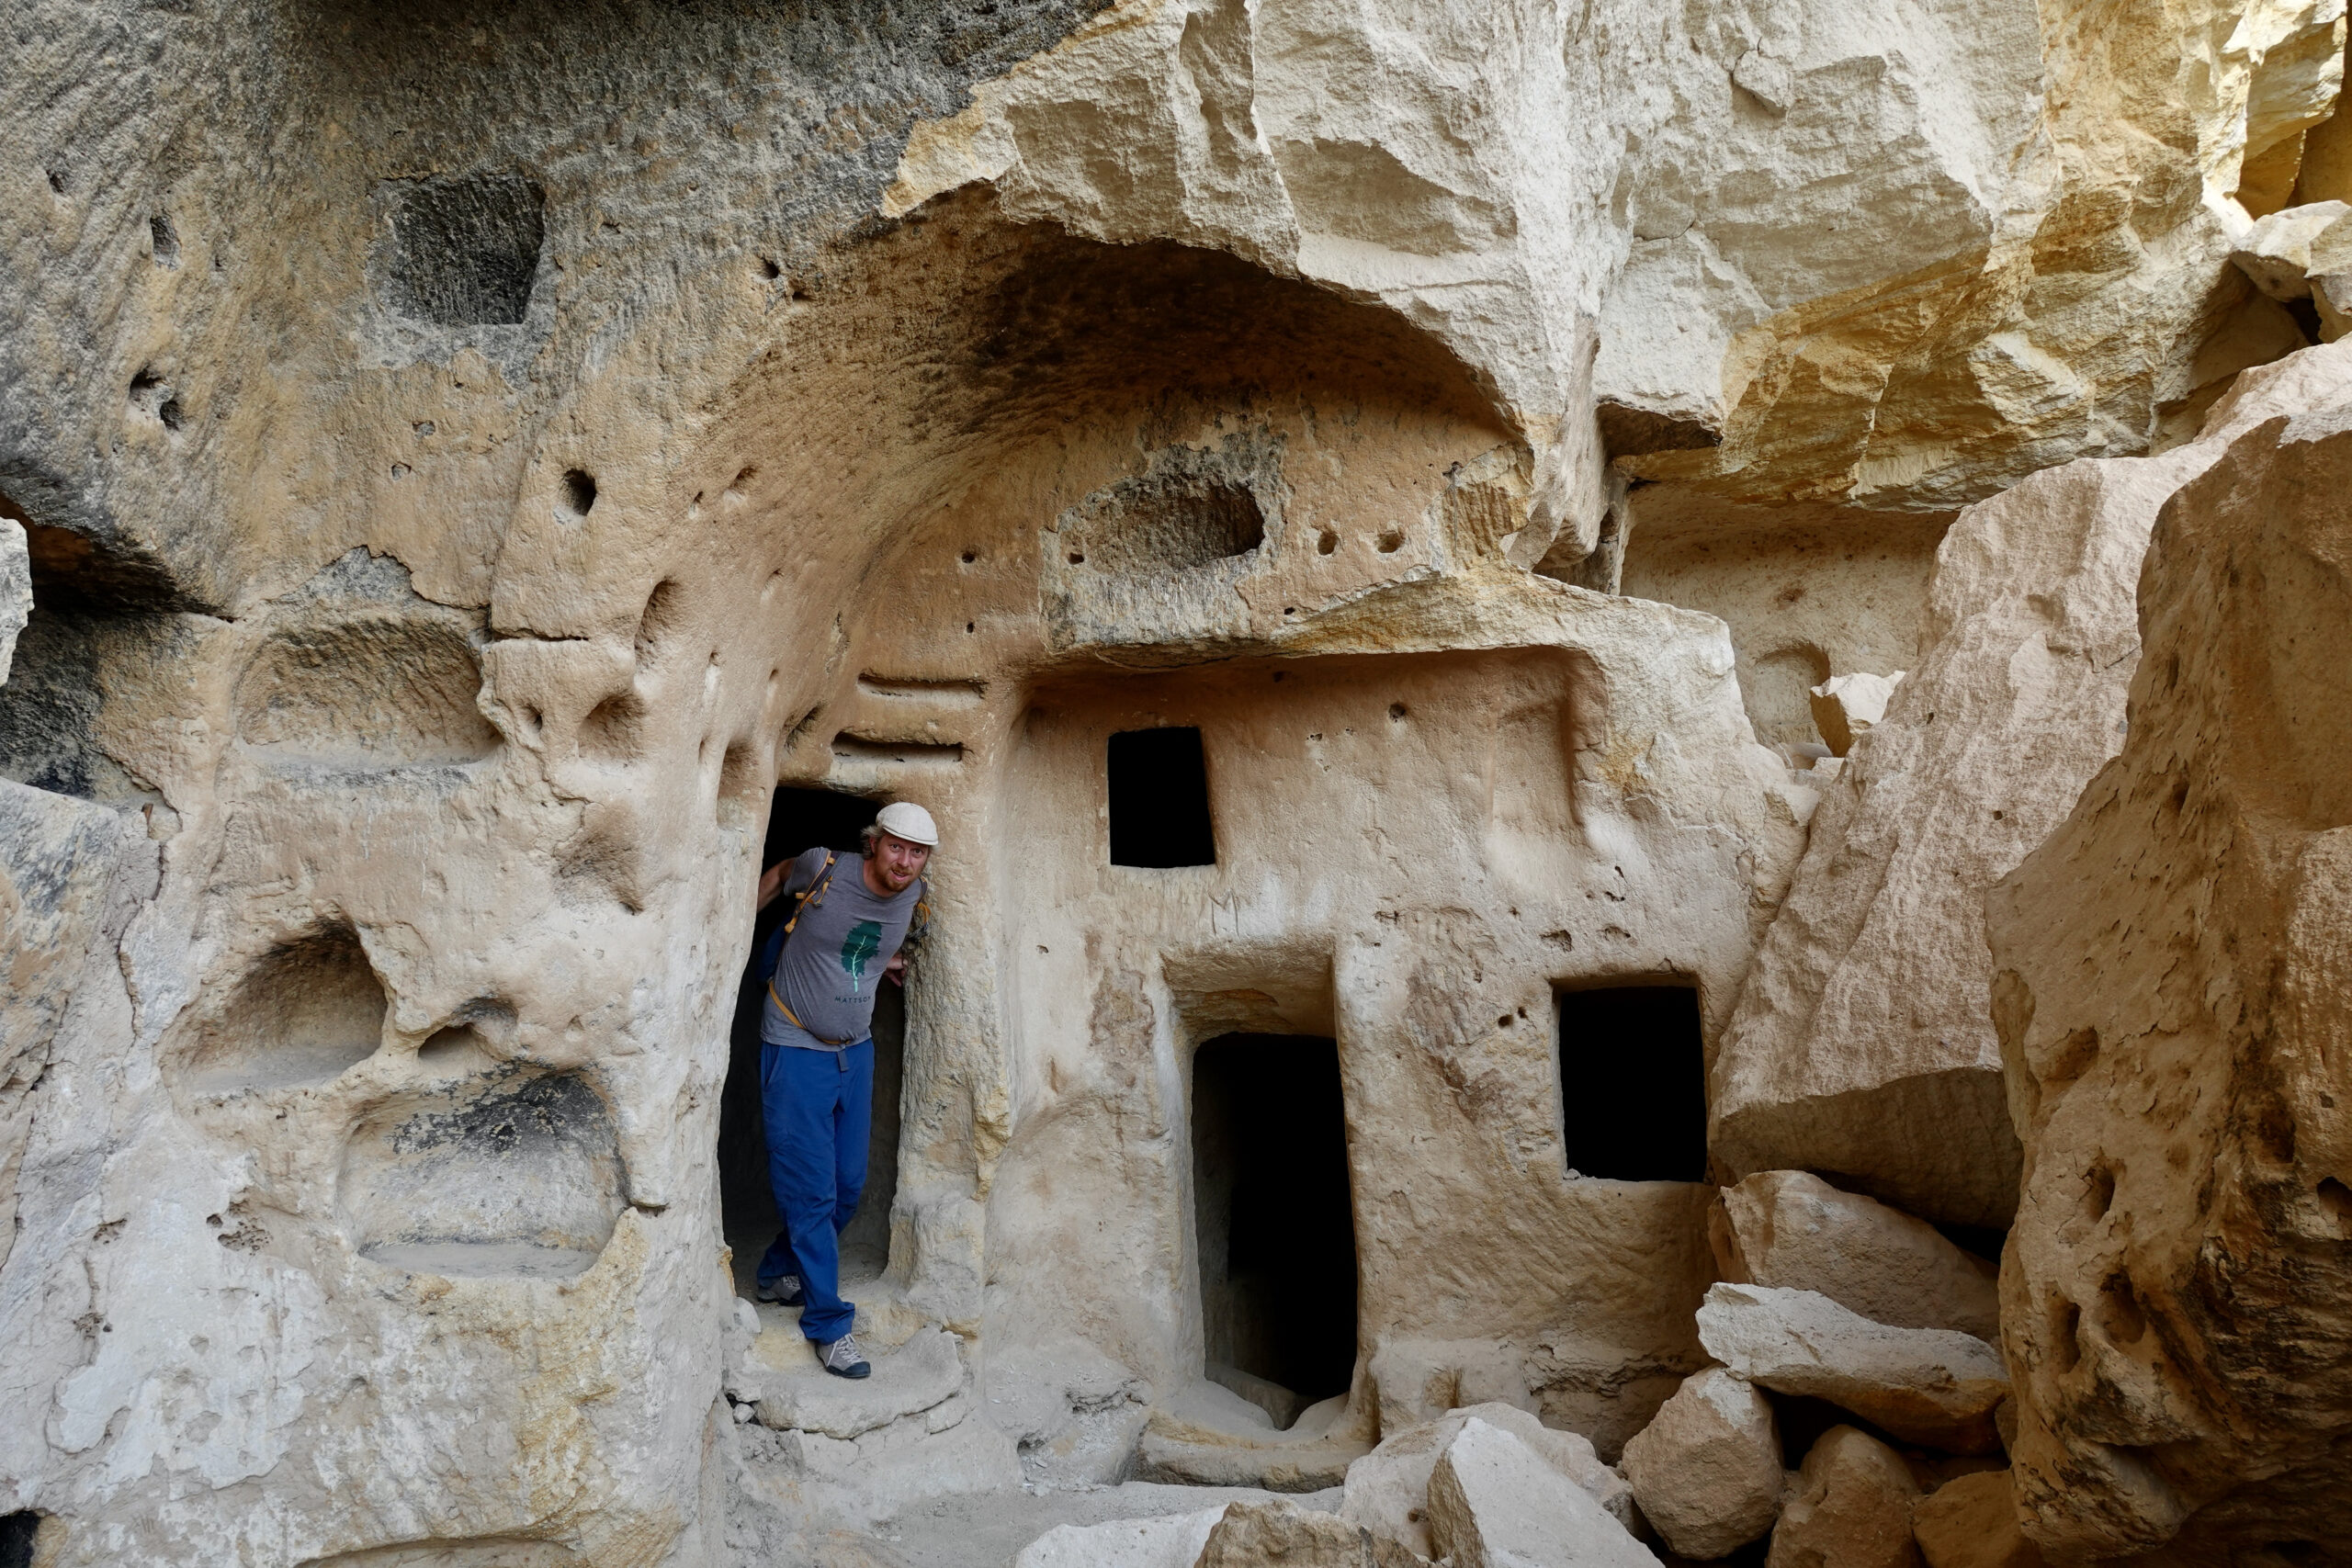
1633	1083
1273	1221
800	819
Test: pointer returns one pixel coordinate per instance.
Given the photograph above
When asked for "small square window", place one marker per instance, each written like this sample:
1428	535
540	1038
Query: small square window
1159	799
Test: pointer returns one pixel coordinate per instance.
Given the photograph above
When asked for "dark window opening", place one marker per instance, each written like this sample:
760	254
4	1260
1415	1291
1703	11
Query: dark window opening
1159	799
800	819
1272	1221
1632	1083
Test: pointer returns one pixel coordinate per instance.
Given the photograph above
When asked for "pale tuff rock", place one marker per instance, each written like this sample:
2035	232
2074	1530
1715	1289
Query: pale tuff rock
1493	1503
1706	1470
2171	992
15	589
1261	1535
1930	1386
2278	251
1172	1541
1972	1522
1790	1230
919	1376
470	463
1861	1045
1845	707
1852	1508
1387	1489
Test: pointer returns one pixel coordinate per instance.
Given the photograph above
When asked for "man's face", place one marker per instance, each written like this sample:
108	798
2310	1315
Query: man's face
896	862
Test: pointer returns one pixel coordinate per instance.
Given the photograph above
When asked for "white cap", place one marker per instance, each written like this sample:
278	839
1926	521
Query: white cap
905	820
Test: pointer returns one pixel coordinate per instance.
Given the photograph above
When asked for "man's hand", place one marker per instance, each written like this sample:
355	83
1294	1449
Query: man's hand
896	970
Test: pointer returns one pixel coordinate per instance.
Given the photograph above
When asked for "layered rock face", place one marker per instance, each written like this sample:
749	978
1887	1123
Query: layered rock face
2170	996
456	466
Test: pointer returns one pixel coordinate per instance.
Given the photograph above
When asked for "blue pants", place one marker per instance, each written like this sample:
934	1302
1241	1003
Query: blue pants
819	1109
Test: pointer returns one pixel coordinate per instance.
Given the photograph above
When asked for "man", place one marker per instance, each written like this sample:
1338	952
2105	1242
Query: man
857	917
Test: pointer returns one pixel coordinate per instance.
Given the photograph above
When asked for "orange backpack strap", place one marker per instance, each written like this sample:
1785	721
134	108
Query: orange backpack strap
808	901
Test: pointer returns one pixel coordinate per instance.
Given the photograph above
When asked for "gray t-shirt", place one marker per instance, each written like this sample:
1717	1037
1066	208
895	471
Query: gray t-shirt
834	957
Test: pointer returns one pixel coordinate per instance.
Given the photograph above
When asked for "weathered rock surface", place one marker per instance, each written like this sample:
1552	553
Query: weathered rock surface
2172	998
471	460
1790	1230
15	589
1845	707
918	1376
1930	1386
1851	1508
1259	1535
1172	1541
1387	1489
1861	1045
1972	1522
1494	1503
1706	1470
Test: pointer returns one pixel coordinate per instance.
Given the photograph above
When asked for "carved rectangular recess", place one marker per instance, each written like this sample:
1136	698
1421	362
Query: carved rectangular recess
1159	798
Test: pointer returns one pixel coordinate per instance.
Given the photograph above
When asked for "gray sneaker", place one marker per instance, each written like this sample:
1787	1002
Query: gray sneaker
784	1291
840	1357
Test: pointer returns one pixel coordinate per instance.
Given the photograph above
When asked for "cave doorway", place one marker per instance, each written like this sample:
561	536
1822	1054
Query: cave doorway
1633	1082
800	819
1272	1221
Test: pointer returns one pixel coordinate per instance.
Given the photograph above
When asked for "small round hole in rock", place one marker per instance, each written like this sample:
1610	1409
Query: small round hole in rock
1326	542
1397	710
971	556
1075	558
769	270
1391	541
579	492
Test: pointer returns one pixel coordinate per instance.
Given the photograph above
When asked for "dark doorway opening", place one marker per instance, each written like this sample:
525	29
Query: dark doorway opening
1633	1083
1159	799
1275	1232
800	819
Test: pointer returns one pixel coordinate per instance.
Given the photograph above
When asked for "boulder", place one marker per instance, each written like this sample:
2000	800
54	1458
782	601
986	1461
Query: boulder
1790	1230
1859	1045
2173	989
1171	1540
2277	252
1495	1504
1706	1470
1973	1523
1387	1489
1852	1507
1846	706
1283	1535
15	589
1930	1386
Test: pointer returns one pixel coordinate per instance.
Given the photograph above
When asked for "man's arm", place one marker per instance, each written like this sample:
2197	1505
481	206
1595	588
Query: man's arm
788	876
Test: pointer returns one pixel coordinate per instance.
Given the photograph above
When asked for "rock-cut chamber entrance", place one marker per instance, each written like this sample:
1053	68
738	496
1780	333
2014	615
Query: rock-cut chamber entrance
800	819
1273	1221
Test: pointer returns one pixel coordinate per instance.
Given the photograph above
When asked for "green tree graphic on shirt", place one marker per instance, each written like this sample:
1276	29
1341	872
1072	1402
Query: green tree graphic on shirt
858	948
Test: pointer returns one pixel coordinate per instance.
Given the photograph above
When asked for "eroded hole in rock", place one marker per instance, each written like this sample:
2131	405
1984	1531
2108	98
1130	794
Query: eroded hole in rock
614	730
1272	1220
1632	1083
375	690
462	250
1159	799
577	495
661	618
306	1012
516	1174
800	819
18	1532
1174	523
